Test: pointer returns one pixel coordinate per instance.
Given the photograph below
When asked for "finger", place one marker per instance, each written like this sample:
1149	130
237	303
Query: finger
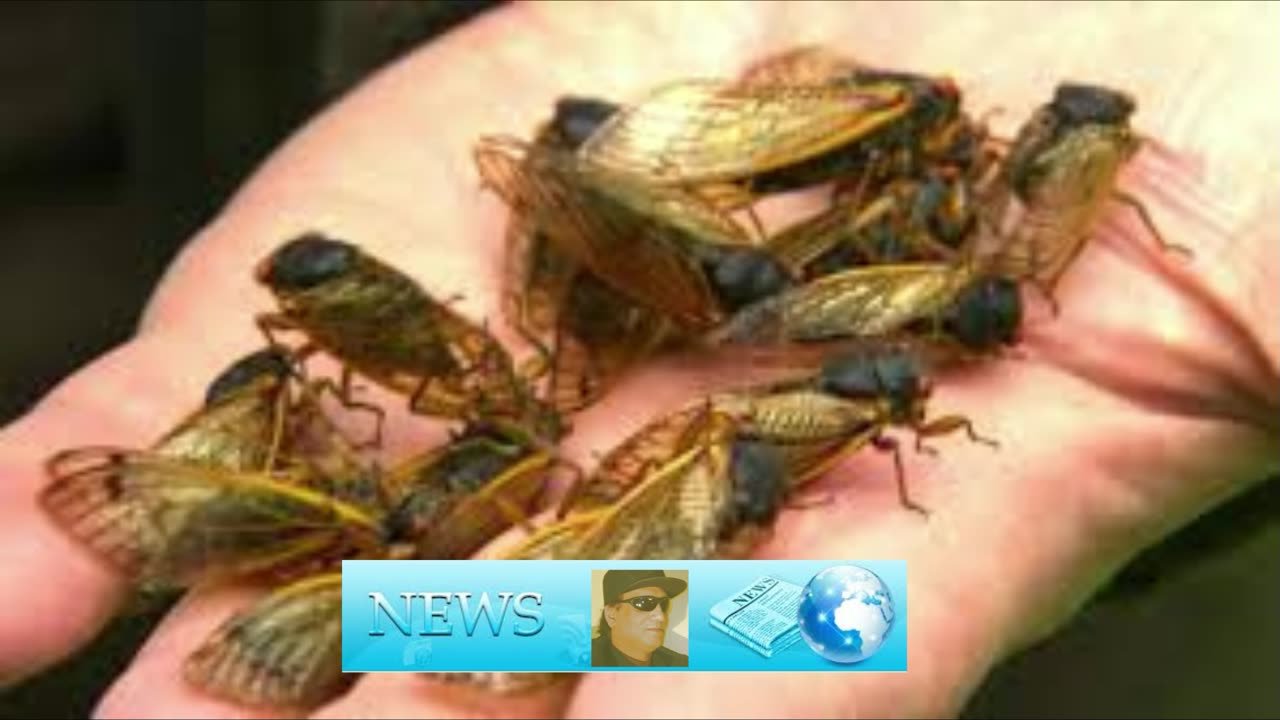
408	695
129	398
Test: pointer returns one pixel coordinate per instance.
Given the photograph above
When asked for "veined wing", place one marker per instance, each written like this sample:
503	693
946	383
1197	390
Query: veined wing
702	131
597	223
169	522
677	510
476	518
284	650
629	462
865	301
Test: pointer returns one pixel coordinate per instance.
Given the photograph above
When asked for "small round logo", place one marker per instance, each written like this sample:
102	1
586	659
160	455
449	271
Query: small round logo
846	613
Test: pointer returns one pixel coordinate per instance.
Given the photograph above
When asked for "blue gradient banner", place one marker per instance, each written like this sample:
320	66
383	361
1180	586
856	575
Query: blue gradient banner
536	615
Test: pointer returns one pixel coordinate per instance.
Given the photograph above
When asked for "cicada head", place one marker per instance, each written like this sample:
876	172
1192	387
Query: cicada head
271	367
740	274
577	118
1081	120
1076	104
892	375
759	473
307	262
986	314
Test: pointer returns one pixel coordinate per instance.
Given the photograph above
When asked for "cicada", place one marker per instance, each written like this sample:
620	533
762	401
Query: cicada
947	301
709	479
732	141
285	649
1055	181
380	323
168	523
594	333
242	423
920	219
693	483
662	248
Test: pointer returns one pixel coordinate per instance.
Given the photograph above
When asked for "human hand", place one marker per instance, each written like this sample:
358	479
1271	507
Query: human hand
1144	404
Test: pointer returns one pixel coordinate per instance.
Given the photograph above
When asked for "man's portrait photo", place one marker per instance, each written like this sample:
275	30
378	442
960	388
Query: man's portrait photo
642	618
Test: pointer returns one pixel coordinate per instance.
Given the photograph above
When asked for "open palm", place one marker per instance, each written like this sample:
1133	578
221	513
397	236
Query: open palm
1151	398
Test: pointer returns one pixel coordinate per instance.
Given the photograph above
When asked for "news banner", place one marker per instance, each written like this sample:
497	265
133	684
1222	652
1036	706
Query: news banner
545	616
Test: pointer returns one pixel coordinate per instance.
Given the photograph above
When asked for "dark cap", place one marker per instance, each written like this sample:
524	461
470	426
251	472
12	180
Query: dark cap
617	582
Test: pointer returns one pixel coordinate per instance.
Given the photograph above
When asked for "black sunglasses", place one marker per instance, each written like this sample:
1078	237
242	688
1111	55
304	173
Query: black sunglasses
646	603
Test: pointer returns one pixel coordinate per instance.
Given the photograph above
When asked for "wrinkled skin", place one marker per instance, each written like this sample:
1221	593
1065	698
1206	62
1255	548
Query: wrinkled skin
1148	401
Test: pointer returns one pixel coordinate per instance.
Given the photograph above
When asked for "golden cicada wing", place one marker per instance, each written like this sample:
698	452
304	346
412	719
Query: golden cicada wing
242	421
478	517
503	683
862	302
680	510
600	335
536	277
706	131
236	434
675	508
799	244
638	255
559	540
284	650
810	430
1046	228
796	415
629	462
167	522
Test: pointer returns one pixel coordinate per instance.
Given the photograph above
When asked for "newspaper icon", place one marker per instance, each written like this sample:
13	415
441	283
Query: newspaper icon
761	616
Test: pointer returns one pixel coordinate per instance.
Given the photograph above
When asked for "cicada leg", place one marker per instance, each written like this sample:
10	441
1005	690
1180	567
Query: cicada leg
1148	222
269	323
818	500
946	425
888	444
342	391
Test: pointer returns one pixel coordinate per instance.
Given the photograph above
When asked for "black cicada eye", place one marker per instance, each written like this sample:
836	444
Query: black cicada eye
578	118
743	275
271	362
308	261
897	371
759	478
850	376
893	373
1075	104
986	314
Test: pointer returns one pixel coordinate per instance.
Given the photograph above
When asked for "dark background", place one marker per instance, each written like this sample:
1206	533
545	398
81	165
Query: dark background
126	125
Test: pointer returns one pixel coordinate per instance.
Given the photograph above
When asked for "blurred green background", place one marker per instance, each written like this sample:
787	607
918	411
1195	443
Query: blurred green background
125	125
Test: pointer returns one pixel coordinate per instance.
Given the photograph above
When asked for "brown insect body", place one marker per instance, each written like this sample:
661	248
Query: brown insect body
241	424
381	324
443	504
661	247
166	522
1056	180
874	301
594	332
284	650
450	502
700	132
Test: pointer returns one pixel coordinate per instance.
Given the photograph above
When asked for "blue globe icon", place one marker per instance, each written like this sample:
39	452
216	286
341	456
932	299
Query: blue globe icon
845	613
